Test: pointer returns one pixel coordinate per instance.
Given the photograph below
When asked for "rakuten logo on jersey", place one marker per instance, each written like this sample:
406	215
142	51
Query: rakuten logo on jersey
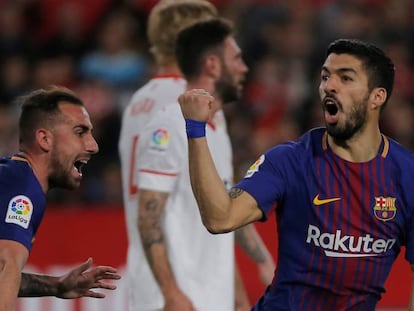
338	245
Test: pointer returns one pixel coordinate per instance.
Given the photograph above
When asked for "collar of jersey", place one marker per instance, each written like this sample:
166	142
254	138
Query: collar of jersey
171	76
383	149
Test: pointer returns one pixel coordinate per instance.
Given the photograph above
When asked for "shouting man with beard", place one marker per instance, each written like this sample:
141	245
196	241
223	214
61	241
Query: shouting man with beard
55	134
344	193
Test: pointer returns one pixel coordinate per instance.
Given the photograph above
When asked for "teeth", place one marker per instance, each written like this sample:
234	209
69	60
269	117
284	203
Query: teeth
78	165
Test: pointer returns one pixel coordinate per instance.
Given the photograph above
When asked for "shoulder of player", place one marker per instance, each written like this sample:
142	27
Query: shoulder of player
160	87
399	154
12	171
17	177
168	118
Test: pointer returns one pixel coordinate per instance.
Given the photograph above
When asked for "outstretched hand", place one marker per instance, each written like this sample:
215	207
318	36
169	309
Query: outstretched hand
80	281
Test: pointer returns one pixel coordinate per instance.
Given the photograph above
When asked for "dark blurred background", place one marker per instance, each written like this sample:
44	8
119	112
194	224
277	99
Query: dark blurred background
98	48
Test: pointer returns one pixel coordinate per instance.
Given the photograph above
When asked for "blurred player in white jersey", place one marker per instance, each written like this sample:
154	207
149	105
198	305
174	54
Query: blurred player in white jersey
173	262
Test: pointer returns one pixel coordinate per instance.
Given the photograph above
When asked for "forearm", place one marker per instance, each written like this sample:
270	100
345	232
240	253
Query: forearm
208	188
13	257
9	286
242	300
151	208
37	285
252	244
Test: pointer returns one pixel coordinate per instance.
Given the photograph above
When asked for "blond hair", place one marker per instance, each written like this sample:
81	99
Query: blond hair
168	18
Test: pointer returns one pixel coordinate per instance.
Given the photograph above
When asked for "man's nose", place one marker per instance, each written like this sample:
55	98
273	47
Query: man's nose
92	145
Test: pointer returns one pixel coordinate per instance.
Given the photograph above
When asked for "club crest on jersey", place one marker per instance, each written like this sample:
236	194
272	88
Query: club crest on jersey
160	139
255	167
384	208
19	211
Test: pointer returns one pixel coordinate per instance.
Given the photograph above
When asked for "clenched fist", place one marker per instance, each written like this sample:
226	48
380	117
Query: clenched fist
197	104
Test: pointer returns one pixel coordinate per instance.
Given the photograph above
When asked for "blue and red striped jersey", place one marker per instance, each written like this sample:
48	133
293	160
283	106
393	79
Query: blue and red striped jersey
22	201
340	224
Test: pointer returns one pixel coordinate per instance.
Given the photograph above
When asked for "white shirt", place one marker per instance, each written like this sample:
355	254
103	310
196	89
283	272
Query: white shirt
202	263
158	92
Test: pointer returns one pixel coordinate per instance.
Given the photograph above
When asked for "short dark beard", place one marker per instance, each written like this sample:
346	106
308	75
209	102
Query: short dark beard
356	122
59	178
225	87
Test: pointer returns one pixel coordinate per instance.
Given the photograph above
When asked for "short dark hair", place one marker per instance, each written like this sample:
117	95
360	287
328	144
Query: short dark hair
196	40
41	107
380	68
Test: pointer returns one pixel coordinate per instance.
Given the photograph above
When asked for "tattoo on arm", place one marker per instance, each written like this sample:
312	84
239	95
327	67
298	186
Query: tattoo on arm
235	192
34	285
149	221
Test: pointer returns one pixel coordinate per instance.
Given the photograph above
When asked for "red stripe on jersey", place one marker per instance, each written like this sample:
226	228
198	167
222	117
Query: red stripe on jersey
211	125
158	173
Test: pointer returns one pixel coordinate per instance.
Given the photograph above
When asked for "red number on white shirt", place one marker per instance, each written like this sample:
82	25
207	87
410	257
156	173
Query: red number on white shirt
133	188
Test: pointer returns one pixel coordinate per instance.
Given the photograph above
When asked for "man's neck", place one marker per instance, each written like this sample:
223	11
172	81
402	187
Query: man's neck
39	170
169	69
362	147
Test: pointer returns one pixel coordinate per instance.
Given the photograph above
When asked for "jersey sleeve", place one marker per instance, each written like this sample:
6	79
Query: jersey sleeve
21	210
162	151
267	178
14	231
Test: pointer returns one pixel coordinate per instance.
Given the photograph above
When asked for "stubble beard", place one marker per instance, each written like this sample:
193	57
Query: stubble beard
227	89
354	123
60	177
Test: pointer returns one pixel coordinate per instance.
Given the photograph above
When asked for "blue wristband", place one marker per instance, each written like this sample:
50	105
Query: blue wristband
195	129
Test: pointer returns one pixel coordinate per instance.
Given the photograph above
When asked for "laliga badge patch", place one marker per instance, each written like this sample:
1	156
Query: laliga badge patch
19	211
159	140
255	167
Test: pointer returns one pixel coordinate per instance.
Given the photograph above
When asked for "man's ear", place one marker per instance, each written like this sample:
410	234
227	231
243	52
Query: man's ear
212	66
44	139
378	97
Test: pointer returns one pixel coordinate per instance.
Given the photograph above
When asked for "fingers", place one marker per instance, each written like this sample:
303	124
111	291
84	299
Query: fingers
93	294
196	104
105	285
84	266
197	94
103	272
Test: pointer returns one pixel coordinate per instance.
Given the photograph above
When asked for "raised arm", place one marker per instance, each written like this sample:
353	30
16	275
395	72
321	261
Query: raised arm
219	211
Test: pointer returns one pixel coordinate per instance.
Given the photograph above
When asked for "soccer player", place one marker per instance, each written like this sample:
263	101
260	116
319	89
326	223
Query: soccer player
344	193
55	142
169	265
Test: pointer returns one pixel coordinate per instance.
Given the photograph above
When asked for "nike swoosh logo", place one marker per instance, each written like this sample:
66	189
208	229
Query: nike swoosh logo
318	201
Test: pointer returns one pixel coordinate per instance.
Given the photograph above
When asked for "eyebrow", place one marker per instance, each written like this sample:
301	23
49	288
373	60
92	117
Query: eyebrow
84	128
340	70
